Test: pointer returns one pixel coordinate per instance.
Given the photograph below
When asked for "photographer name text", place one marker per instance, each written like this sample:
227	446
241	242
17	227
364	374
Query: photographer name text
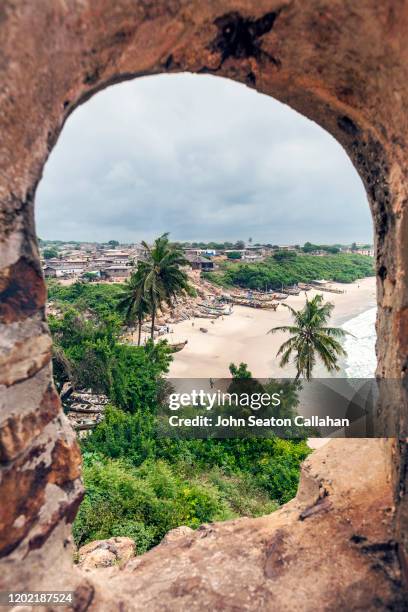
254	421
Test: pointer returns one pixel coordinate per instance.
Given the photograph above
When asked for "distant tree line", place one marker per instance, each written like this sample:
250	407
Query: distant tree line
309	247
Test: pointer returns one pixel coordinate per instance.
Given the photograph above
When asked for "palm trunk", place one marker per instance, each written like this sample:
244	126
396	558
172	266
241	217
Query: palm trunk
153	320
139	337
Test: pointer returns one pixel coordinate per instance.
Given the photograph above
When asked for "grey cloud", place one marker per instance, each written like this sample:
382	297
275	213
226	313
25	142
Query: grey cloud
204	158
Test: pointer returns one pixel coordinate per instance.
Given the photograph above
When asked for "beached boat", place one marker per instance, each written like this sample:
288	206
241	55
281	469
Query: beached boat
330	289
280	296
204	314
211	306
178	346
256	304
212	310
291	291
256	297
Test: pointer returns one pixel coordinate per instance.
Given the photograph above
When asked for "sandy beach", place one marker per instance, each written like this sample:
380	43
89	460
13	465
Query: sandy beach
242	336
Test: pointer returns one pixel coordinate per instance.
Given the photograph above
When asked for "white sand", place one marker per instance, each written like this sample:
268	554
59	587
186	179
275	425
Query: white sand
243	336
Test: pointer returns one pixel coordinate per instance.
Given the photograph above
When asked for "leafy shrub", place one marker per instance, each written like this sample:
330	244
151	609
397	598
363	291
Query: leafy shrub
284	255
142	503
99	298
50	253
129	375
290	270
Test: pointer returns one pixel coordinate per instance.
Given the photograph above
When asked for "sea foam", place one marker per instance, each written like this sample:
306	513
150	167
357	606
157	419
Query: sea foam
361	359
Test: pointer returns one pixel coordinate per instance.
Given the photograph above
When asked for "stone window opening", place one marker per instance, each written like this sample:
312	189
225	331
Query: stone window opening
312	59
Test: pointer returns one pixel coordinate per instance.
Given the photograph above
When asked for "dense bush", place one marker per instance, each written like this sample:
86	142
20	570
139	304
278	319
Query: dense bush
272	274
163	483
129	375
50	253
99	298
308	247
143	503
284	255
133	437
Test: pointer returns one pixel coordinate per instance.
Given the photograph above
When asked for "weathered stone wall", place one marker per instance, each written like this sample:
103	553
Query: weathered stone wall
343	64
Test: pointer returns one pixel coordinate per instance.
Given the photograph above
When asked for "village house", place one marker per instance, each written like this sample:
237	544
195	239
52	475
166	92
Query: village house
361	249
49	272
190	252
240	251
200	263
365	250
257	249
253	253
287	247
61	268
116	272
116	257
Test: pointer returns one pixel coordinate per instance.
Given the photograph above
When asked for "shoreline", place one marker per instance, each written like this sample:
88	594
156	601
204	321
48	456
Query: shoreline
242	336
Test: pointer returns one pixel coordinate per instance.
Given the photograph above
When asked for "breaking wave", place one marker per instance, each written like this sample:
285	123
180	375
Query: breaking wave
361	359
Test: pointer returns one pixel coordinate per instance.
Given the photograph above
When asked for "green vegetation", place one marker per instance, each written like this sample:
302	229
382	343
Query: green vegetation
90	276
217	246
234	255
88	352
134	302
99	299
284	255
308	247
50	253
311	337
144	503
286	271
140	485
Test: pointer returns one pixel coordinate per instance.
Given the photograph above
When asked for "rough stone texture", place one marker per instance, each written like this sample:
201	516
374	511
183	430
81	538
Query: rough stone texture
340	63
331	548
105	553
177	534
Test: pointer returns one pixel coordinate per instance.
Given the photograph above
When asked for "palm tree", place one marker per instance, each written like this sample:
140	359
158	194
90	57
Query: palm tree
62	366
133	302
163	278
310	337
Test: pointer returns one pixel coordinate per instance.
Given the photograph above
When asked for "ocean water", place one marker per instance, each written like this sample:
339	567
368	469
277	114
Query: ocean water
361	359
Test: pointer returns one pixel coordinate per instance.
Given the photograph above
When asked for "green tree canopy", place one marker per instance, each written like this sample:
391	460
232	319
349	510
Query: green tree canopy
162	274
234	255
50	253
311	337
134	302
284	255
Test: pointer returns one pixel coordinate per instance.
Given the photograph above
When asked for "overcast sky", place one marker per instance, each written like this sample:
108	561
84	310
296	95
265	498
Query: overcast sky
204	158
